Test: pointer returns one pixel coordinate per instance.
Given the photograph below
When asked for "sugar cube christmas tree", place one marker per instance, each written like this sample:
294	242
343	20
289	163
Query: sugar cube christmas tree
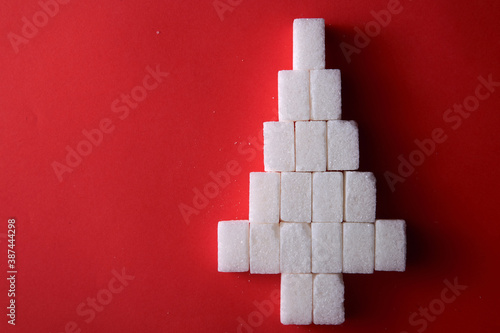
311	214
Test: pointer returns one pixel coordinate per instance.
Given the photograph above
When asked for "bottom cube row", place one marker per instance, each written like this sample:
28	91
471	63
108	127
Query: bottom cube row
312	298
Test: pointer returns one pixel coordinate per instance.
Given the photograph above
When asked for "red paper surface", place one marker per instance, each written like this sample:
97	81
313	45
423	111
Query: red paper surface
116	212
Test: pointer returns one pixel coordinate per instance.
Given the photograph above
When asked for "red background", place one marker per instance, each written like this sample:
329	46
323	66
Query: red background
119	208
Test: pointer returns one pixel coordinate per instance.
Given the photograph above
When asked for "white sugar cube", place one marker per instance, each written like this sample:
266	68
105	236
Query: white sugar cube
326	101
360	197
328	299
310	141
296	299
296	196
232	246
359	247
327	196
264	248
326	247
308	44
264	196
390	245
293	95
279	146
295	247
343	145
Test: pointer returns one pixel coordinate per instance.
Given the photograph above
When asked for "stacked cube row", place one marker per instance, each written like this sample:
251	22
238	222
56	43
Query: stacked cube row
309	94
348	196
312	298
299	248
311	145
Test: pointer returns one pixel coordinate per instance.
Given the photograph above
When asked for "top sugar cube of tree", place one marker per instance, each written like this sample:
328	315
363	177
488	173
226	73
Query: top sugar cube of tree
309	44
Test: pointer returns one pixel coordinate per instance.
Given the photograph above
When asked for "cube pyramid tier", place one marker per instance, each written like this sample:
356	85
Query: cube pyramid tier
312	214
